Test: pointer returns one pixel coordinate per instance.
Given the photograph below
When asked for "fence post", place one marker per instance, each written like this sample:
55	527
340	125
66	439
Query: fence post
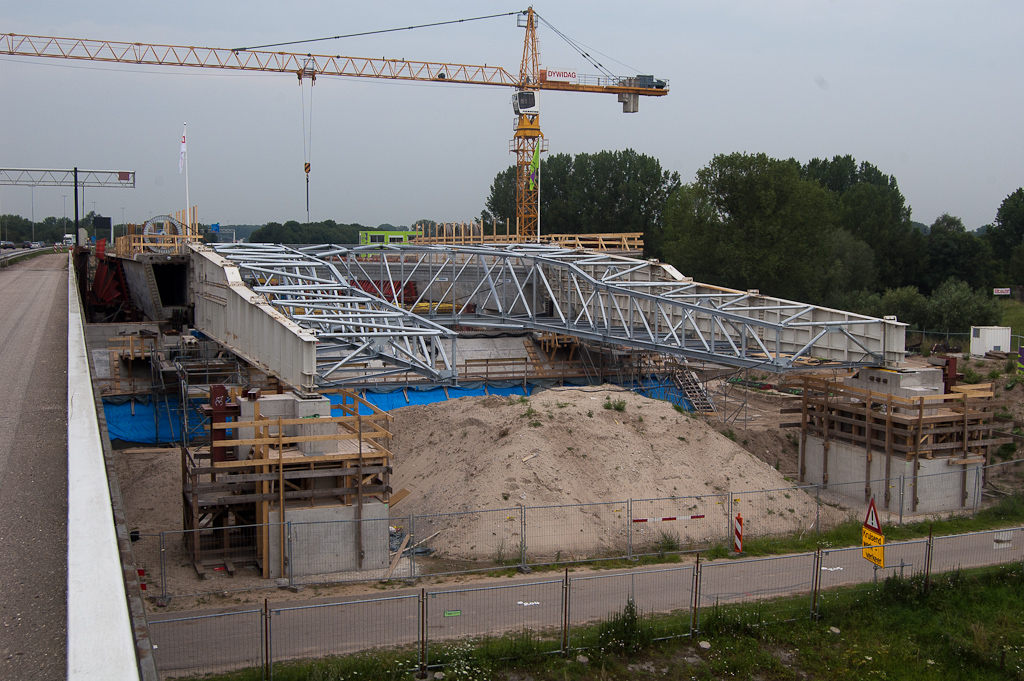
522	538
816	582
412	554
423	634
928	560
565	614
977	489
163	570
695	598
268	657
629	529
901	500
817	510
728	522
291	558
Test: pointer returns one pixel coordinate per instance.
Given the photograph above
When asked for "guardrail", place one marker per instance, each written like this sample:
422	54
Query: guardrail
20	253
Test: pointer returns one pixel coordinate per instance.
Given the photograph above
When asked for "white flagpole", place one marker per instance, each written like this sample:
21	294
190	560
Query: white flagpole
188	206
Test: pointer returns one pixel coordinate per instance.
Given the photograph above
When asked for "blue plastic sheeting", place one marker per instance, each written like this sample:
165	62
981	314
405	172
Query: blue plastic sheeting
141	426
396	399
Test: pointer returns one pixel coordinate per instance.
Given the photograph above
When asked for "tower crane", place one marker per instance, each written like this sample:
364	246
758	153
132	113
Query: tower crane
527	141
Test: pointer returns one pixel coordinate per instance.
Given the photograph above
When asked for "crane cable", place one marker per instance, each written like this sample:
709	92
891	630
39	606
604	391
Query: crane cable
582	49
307	133
364	33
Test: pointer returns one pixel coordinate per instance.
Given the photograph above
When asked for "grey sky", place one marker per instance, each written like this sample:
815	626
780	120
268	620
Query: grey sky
928	91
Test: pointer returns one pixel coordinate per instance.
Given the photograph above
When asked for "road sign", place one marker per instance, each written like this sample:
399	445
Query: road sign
871	521
872	540
873	546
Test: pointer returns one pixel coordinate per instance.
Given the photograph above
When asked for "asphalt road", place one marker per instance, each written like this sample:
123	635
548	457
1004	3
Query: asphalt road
232	639
33	468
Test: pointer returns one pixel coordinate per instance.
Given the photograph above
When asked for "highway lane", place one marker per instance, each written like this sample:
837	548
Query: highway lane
33	468
321	627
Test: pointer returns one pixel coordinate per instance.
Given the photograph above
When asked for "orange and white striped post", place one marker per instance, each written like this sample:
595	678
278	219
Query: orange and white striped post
737	534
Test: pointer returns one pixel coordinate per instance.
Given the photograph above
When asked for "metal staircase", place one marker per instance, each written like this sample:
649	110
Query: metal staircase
687	381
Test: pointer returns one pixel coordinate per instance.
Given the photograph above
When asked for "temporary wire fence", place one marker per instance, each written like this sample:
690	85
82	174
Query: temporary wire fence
521	537
560	615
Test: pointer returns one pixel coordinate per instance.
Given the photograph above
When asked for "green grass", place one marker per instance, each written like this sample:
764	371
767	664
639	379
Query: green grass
967	625
1009	511
1013	316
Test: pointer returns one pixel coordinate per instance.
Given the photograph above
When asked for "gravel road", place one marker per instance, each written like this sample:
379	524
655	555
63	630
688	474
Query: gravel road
33	468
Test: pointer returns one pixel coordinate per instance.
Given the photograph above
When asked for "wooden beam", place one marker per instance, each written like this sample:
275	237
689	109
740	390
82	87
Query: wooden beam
398	557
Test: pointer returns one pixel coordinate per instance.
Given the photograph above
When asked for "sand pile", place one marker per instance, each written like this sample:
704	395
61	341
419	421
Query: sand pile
592	446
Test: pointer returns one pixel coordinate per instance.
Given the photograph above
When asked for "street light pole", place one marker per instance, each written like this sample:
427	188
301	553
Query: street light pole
64	224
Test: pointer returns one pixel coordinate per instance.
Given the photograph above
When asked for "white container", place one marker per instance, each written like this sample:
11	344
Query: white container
985	338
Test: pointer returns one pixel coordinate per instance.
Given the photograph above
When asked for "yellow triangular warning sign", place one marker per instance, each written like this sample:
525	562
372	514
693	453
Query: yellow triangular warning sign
871	522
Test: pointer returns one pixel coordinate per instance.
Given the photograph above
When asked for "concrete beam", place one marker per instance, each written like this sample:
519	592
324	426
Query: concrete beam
232	314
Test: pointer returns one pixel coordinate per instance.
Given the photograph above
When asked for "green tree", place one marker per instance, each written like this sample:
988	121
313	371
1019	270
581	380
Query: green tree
850	266
751	221
292	232
874	211
1006	238
954	307
907	304
952	251
501	203
610	191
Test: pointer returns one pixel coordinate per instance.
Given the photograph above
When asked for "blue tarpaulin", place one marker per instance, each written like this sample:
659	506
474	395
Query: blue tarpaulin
396	399
138	423
135	421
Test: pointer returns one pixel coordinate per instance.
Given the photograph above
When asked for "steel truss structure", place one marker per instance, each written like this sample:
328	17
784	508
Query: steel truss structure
29	177
378	328
358	335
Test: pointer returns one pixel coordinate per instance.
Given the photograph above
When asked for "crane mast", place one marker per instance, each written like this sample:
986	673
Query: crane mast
527	142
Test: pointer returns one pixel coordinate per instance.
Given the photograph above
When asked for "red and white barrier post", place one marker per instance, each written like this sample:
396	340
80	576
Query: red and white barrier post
737	534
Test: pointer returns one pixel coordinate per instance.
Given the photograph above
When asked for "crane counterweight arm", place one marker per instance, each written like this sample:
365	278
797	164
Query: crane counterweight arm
305	65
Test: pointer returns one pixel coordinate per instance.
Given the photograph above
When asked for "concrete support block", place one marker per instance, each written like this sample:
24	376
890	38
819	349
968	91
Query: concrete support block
325	540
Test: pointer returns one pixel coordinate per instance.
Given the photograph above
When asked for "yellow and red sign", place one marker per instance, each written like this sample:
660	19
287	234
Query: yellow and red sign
872	540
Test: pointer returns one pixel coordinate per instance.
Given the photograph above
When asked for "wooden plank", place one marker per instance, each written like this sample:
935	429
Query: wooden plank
965	461
300	474
228	465
306	421
294	439
398	557
236	499
397	497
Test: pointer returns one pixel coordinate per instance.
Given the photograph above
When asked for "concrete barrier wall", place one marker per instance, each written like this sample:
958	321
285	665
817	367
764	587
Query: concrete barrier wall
100	643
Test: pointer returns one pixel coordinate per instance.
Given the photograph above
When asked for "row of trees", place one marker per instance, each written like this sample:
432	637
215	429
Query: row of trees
50	230
830	231
292	232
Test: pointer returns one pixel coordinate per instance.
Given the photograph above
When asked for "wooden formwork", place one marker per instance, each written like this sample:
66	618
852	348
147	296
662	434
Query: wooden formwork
959	427
228	504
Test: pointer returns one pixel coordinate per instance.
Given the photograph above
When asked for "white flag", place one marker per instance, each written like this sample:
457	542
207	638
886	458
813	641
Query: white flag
181	156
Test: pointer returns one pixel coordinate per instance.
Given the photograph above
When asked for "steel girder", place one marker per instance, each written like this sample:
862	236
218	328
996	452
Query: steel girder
622	301
359	336
379	311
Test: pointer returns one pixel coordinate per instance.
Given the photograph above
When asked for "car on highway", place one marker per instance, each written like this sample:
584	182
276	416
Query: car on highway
26	244
6	244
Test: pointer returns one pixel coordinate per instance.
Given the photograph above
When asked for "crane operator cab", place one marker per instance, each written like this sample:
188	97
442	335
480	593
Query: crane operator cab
526	102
